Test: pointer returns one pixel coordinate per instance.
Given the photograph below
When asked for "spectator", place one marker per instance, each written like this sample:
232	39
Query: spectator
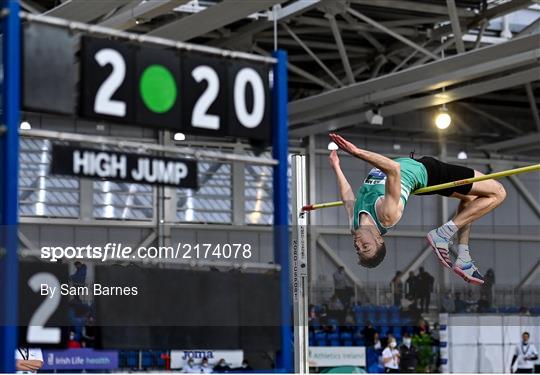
205	366
335	303
447	303
190	367
244	368
425	287
408	354
323	315
221	367
72	342
79	277
28	360
390	356
411	292
342	286
413	312
422	327
89	331
436	334
525	354
349	323
377	345
470	302
487	288
369	334
397	288
483	304
459	304
337	310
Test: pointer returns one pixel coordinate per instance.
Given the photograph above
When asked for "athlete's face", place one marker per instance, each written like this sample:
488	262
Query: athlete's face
525	338
365	244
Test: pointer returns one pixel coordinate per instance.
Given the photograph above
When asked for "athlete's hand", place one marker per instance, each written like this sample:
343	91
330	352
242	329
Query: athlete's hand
343	144
334	159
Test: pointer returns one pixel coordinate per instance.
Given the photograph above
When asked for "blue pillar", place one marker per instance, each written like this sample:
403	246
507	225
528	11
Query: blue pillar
9	166
280	142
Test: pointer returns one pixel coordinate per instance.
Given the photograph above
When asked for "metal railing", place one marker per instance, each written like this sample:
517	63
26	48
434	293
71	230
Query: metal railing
381	294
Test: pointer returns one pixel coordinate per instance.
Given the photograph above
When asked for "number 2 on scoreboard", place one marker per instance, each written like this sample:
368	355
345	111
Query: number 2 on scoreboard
104	104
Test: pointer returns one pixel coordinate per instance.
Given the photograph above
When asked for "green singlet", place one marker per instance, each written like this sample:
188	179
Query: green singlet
413	176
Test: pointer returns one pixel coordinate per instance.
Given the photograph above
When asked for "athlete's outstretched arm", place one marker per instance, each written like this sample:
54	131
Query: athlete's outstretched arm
388	210
385	164
345	189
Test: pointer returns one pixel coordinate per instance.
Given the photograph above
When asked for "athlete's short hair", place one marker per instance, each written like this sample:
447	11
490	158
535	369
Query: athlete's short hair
376	259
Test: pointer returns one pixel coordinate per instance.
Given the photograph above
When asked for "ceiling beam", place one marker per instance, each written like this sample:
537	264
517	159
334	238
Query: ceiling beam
244	35
313	55
471	65
492	118
456	25
491	13
512	143
405	31
126	19
84	10
412	6
341	47
295	69
462	92
212	18
532	104
418	103
390	32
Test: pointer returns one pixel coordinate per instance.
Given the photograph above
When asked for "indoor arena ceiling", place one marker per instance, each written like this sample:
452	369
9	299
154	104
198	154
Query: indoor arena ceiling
351	57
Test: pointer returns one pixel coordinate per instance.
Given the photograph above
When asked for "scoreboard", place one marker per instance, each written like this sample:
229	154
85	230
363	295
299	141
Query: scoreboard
138	84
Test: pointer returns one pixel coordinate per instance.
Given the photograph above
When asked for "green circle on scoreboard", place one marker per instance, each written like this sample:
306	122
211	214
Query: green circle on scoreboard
158	88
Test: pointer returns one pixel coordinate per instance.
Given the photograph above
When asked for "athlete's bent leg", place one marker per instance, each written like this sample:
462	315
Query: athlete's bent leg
483	197
488	195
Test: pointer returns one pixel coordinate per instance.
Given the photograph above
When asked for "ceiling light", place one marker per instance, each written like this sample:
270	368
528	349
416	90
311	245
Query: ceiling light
462	155
443	118
25	125
179	137
374	117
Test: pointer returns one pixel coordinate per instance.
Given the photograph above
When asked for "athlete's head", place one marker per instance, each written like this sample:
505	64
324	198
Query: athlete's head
369	246
525	337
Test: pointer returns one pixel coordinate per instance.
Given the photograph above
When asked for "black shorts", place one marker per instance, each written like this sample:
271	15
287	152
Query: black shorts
440	173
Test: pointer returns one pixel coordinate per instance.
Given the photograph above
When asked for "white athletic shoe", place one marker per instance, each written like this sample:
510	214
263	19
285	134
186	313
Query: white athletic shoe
468	271
440	247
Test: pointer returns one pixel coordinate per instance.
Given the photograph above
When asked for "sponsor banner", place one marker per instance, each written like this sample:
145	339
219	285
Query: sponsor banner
80	359
123	167
333	356
233	358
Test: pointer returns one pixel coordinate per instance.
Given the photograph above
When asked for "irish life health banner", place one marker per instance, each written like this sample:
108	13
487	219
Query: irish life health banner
80	359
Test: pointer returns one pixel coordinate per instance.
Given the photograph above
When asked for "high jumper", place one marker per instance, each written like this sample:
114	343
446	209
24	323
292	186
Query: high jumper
379	203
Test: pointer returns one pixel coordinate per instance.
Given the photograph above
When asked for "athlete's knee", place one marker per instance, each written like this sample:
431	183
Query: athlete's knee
499	192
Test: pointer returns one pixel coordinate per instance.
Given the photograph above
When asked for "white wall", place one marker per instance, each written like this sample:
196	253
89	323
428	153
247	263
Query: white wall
486	343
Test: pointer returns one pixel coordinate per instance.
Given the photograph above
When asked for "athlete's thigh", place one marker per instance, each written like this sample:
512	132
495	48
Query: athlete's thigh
480	188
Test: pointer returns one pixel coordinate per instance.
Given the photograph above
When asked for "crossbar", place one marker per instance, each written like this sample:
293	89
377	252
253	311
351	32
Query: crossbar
447	185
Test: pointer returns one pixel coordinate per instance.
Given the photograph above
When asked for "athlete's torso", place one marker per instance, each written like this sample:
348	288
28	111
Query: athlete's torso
413	177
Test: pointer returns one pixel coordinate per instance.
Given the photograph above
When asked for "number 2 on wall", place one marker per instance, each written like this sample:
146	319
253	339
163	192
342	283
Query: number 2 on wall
36	332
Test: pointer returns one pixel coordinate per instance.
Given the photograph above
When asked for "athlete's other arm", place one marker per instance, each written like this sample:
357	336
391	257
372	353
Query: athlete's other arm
345	189
388	210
